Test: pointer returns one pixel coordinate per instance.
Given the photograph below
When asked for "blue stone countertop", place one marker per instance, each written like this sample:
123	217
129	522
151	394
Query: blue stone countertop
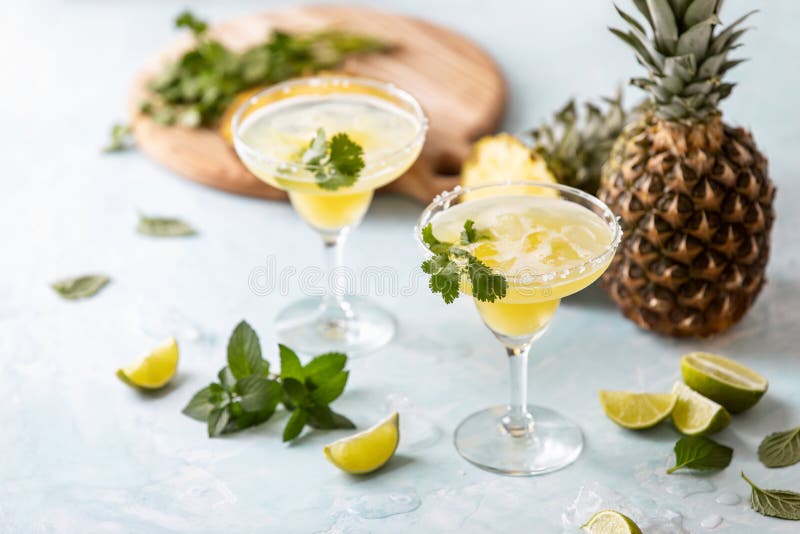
83	453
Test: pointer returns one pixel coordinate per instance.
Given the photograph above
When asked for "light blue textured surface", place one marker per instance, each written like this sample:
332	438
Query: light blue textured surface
83	453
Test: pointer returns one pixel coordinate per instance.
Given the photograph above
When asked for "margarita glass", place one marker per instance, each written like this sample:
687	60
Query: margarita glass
549	241
271	131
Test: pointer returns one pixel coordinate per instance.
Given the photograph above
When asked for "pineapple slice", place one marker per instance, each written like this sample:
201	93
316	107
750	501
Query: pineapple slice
503	158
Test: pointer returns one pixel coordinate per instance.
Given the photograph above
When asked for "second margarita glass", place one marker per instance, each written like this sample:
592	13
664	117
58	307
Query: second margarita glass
271	132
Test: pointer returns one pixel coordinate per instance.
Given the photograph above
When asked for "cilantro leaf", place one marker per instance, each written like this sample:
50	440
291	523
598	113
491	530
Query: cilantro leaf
446	272
187	20
336	163
445	276
470	235
487	286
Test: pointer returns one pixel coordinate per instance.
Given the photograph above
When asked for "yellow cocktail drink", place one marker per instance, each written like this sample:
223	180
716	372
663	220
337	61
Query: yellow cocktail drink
276	132
330	142
517	249
536	242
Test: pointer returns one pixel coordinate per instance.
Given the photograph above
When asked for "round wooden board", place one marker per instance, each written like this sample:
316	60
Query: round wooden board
458	84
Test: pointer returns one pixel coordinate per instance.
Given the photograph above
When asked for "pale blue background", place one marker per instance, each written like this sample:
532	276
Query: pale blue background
79	452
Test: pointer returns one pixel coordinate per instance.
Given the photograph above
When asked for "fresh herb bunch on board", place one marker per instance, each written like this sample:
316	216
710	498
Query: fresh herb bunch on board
196	89
693	193
247	393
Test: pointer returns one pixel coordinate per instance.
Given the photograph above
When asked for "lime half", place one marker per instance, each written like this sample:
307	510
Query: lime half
368	450
696	415
155	369
723	380
637	410
611	522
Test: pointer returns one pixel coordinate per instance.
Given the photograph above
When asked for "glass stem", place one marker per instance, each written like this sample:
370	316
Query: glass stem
517	421
335	310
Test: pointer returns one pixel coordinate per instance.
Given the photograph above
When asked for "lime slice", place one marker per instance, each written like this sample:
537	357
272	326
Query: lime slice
368	450
723	380
611	522
637	410
155	369
696	415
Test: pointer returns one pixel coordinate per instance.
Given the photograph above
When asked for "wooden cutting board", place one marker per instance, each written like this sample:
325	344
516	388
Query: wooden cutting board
458	84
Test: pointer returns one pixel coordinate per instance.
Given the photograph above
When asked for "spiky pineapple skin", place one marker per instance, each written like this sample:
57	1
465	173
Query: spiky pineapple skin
696	207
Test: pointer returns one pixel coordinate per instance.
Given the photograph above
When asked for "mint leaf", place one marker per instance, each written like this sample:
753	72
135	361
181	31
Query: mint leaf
780	449
290	364
244	352
121	138
80	287
322	417
258	394
331	389
295	391
295	424
699	452
226	378
341	421
782	504
203	402
163	227
487	286
217	421
323	367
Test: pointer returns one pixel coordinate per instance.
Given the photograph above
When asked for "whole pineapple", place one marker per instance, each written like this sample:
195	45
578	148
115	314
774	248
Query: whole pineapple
692	193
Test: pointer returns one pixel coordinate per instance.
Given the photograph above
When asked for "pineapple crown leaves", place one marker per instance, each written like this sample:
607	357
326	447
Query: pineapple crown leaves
575	146
686	56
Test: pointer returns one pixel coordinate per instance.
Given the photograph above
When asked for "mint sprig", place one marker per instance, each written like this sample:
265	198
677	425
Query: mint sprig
335	163
450	263
247	394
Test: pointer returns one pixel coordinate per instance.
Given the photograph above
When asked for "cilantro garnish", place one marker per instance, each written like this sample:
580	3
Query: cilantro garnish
449	263
335	163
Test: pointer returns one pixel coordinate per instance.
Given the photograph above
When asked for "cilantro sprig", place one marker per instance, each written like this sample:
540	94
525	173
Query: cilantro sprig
335	163
196	89
247	393
450	263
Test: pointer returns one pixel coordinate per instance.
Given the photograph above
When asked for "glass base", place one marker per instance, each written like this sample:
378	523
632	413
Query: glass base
302	327
554	443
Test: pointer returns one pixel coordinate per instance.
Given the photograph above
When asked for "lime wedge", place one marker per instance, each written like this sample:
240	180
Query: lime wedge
611	522
696	415
637	410
368	450
155	369
723	380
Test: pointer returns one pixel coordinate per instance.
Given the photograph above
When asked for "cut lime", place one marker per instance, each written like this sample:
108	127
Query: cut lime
368	450
723	380
611	522
696	415
155	369
637	410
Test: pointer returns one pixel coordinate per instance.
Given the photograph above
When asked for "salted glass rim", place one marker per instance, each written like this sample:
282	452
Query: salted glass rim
445	201
388	88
